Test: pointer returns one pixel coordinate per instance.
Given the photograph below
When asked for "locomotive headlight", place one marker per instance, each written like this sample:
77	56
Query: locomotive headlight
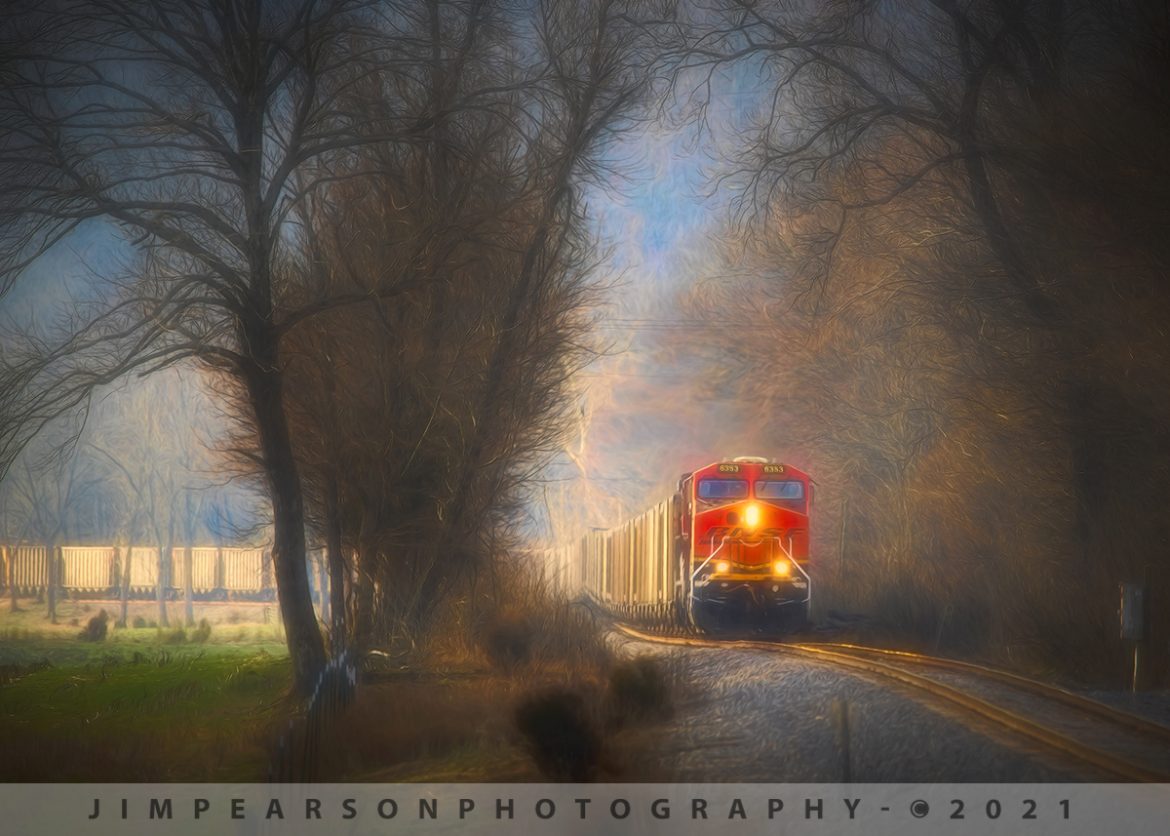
751	516
722	567
782	568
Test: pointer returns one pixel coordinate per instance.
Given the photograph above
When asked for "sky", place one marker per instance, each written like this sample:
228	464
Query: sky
660	215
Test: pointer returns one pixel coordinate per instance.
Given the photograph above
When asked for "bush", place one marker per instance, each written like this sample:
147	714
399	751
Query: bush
201	633
176	636
139	622
96	629
560	736
637	690
508	639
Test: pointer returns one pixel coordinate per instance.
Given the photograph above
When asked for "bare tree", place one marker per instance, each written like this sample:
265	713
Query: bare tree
599	72
181	125
419	420
45	500
933	224
155	436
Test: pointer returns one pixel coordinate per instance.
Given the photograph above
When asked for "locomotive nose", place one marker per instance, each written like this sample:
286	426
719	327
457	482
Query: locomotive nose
751	516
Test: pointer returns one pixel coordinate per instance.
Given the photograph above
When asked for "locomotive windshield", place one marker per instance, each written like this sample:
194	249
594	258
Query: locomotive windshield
723	489
788	489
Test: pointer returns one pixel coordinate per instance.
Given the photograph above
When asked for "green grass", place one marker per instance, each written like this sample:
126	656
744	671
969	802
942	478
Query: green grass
129	646
189	715
140	705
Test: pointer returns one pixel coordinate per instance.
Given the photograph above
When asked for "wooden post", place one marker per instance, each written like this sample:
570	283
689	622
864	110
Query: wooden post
1133	624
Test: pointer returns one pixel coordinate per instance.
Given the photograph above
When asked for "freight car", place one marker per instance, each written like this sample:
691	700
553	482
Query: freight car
100	571
729	549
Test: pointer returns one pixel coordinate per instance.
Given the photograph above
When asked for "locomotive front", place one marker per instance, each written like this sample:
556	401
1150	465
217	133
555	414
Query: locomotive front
744	543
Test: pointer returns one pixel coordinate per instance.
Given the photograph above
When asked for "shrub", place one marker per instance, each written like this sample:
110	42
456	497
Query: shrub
508	639
139	622
176	636
560	736
201	633
637	690
95	630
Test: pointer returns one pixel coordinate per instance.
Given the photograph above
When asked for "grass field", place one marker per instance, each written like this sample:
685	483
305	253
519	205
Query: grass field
146	703
168	704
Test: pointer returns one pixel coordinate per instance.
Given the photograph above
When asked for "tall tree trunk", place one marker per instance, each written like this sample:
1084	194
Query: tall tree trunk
363	617
333	531
189	586
261	375
336	559
10	564
323	588
160	585
1020	272
534	269
51	581
125	559
264	384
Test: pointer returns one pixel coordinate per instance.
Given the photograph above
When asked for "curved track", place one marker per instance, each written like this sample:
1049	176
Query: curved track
1114	744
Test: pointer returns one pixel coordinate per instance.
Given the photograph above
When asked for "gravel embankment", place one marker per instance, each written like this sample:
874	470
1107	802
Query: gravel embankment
761	717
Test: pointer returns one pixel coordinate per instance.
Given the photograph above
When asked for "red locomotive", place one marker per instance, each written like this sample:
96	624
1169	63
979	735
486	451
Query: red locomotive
730	548
743	540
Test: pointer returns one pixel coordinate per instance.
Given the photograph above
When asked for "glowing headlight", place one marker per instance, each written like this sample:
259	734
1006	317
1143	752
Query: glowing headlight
722	567
782	568
751	516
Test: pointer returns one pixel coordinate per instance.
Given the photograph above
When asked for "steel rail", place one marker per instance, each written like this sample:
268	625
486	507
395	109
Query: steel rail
1052	692
1054	740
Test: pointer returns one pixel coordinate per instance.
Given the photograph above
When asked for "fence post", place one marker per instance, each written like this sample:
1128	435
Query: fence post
1133	624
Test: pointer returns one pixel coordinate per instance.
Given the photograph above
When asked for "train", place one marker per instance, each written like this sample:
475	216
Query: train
728	550
101	571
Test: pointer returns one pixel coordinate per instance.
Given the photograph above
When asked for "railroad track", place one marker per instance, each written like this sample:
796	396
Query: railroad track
1116	745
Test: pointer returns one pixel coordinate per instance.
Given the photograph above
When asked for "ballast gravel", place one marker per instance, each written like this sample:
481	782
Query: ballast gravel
755	716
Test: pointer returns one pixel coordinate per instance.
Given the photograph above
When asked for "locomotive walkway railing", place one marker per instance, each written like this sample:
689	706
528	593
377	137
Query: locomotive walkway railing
787	552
